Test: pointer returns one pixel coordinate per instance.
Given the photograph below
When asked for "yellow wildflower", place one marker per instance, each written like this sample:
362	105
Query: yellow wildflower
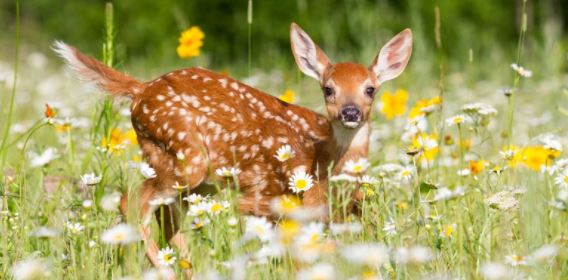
426	145
394	105
190	42
288	96
477	166
537	157
118	140
424	107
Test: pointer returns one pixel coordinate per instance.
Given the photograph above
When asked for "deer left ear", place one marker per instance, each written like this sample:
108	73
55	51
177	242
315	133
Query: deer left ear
310	58
393	57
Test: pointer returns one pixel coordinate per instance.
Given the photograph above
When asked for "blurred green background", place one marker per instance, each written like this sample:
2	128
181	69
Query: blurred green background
147	30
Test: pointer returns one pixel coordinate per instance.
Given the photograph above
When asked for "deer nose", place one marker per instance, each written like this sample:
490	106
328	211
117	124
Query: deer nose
351	113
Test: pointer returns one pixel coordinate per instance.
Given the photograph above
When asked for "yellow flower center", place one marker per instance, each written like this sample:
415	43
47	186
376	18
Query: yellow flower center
216	208
119	236
301	184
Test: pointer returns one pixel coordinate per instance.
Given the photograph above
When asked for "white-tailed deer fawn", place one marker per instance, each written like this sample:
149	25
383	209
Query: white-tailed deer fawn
215	121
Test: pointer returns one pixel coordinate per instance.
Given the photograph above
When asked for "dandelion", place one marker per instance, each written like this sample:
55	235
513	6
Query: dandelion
75	228
356	167
372	255
120	234
521	70
284	153
259	227
227	172
190	42
44	158
30	269
91	179
393	105
166	257
146	171
288	96
320	271
515	260
301	181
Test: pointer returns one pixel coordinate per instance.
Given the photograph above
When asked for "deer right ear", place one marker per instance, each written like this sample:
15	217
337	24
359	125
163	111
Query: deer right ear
311	60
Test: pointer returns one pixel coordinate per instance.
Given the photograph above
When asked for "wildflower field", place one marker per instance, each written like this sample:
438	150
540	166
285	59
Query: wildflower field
466	177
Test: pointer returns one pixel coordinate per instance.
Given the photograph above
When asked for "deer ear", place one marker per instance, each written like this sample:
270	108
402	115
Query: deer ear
393	57
311	60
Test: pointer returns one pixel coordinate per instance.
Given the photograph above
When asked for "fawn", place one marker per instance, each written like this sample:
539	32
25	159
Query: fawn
214	121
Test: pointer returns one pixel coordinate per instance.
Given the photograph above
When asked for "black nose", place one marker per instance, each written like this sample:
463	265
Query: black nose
351	113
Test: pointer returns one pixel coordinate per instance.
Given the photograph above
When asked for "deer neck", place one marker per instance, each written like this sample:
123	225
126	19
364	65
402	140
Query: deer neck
344	144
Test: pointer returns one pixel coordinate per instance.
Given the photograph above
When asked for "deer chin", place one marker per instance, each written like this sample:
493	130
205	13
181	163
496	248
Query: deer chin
351	125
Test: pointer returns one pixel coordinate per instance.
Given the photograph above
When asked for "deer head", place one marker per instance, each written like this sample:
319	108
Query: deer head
349	88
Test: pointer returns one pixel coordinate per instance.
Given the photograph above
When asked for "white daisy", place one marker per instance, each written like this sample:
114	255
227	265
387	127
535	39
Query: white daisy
301	181
343	178
75	228
227	172
91	179
120	234
367	181
30	269
373	255
110	202
412	255
521	70
44	232
259	227
87	203
494	271
197	209
319	271
44	158
544	253
194	198
179	187
312	232
389	228
458	120
515	260
284	153
166	257
161	201
561	180
358	166
405	175
479	108
216	207
353	227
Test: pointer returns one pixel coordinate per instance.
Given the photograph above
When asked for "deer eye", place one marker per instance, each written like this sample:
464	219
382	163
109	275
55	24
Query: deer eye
327	91
370	91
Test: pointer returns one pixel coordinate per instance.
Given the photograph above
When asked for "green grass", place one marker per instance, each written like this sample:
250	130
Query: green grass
498	215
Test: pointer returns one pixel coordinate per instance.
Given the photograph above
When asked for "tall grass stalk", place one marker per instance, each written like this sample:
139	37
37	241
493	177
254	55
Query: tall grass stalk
8	123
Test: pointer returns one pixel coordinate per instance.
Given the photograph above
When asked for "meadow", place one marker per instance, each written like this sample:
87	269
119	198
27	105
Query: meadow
466	176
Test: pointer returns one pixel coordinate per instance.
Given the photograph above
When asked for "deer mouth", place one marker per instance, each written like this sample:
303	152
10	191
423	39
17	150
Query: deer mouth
351	124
